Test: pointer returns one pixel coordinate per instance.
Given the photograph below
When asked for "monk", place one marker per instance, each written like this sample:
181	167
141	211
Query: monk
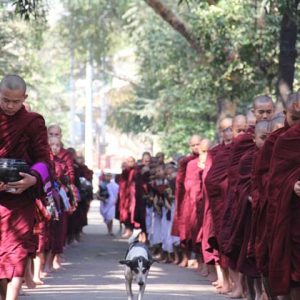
261	177
282	222
108	204
216	182
211	255
68	219
240	144
23	136
127	196
179	217
241	236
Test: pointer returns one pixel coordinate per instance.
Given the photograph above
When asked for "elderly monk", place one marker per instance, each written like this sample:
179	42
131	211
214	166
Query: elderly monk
178	227
23	136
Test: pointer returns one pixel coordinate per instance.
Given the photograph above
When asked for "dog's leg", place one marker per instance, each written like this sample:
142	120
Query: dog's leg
128	284
141	291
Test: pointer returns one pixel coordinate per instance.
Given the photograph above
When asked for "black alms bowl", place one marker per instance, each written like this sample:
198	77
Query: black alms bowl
10	169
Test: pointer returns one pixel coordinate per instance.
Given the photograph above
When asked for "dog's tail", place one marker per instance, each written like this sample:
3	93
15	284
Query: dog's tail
135	236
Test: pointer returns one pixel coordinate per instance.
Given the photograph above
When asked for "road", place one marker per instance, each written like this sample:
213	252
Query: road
91	271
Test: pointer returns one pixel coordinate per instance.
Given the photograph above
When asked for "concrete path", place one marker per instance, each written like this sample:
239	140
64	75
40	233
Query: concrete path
91	271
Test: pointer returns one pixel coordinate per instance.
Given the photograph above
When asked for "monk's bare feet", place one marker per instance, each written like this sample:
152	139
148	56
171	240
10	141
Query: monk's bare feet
215	283
44	274
29	282
237	294
56	262
38	281
203	270
183	263
225	289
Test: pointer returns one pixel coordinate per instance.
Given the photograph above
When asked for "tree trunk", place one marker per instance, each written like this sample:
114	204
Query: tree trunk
166	14
288	52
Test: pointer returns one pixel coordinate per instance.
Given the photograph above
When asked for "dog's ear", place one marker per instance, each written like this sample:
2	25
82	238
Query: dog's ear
124	262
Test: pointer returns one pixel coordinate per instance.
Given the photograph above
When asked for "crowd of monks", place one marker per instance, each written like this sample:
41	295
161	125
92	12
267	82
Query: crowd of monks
47	208
234	206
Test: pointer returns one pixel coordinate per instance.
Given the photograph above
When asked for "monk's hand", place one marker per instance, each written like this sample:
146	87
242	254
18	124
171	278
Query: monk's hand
250	199
22	185
2	186
297	188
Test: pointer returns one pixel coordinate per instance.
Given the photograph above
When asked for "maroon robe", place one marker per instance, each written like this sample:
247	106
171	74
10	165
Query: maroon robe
283	213
127	196
192	197
258	245
240	146
179	221
210	255
58	228
216	185
241	233
23	136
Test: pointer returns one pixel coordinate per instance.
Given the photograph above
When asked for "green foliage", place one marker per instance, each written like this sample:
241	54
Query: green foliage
239	61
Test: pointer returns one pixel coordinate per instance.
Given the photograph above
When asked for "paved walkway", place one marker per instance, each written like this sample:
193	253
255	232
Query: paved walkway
91	271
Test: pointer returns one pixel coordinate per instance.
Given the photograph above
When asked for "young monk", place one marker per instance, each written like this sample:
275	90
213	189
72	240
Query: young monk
197	225
57	227
127	196
108	204
209	252
68	220
23	136
179	217
241	236
241	143
216	182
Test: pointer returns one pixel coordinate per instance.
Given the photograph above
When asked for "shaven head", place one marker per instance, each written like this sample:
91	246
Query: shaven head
263	108
225	125
261	133
205	145
276	123
54	130
239	125
194	143
55	144
14	83
227	136
251	120
130	162
12	94
290	111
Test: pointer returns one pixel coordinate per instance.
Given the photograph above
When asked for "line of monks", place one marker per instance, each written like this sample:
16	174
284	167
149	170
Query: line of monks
234	206
47	208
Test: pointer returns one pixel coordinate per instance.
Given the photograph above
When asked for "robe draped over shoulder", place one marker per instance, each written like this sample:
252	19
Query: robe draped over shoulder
283	213
22	136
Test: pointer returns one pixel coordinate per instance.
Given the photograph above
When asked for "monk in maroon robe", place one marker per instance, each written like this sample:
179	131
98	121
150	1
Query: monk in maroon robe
178	227
261	178
241	235
23	136
127	196
282	214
